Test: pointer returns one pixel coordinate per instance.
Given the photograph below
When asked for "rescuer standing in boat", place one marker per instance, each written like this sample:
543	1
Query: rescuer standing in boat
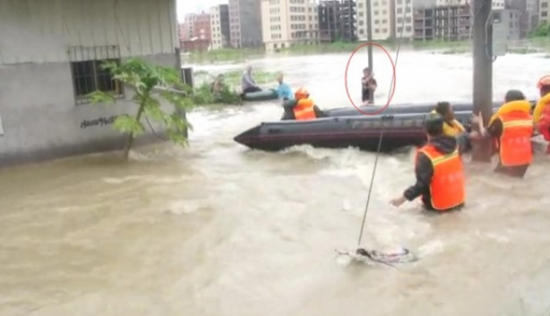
511	128
368	86
452	127
439	171
301	108
541	114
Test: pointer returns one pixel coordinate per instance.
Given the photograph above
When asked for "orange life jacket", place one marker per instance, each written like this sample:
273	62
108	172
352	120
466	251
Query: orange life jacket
447	188
514	146
304	110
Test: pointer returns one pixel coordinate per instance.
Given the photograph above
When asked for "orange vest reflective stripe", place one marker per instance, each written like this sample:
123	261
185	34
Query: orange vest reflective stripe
304	110
447	188
515	147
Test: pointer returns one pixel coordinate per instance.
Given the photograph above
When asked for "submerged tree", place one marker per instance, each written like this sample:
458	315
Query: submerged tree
150	85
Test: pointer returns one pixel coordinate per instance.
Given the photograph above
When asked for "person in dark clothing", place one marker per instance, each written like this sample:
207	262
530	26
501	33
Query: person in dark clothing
439	172
368	86
519	153
248	84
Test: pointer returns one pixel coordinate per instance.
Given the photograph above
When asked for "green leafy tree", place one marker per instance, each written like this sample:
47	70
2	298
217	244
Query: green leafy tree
542	31
150	85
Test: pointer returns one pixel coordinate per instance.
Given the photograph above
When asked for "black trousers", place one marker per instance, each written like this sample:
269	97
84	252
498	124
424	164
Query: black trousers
251	89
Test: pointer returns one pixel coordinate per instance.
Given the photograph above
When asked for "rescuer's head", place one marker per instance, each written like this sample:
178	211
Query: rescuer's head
434	125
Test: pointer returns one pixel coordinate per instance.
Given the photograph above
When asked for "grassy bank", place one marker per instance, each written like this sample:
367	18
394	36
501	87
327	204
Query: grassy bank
233	78
531	45
202	94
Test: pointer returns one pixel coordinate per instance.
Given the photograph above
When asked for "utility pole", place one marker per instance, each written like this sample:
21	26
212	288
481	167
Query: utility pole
369	38
483	71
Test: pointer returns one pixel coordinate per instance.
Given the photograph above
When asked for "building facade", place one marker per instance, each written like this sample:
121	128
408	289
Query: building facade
404	19
47	70
184	32
383	19
448	20
532	15
201	26
245	23
219	25
288	22
544	6
337	20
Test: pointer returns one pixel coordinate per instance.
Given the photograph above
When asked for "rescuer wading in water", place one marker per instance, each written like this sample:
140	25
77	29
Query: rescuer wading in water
451	126
439	171
511	129
541	114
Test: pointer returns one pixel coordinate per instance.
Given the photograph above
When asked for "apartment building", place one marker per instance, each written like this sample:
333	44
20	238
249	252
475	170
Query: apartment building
219	26
245	23
286	22
512	17
404	19
183	32
198	26
383	19
448	20
532	14
544	6
423	19
337	20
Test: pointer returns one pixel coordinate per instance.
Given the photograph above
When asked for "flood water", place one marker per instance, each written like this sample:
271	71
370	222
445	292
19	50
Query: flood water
219	230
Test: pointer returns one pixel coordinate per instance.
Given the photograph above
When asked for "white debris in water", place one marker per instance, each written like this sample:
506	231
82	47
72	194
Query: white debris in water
184	207
346	205
495	237
435	246
120	180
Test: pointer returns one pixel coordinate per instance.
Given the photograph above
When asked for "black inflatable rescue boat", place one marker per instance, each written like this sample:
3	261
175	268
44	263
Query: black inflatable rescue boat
401	125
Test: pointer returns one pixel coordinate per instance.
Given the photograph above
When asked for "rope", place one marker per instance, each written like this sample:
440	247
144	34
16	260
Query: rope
382	129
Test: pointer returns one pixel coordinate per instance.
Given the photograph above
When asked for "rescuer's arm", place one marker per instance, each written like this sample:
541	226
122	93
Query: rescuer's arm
289	104
318	112
424	172
464	142
494	129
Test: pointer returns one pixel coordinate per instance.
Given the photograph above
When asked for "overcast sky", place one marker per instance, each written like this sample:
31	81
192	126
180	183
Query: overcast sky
195	6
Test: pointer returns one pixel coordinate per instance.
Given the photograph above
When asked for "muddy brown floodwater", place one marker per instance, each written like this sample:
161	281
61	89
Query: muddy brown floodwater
219	230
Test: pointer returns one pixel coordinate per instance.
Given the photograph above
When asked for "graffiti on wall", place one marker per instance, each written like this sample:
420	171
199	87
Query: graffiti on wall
101	121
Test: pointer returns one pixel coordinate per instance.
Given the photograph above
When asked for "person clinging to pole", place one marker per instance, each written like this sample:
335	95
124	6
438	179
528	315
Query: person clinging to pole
368	86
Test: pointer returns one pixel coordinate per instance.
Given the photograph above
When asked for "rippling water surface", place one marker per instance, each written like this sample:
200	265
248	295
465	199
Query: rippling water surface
216	229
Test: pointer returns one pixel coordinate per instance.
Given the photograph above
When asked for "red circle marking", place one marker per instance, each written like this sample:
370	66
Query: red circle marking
346	77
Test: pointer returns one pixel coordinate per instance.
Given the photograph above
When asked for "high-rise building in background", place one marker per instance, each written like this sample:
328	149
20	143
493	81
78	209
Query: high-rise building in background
184	33
245	23
197	32
328	17
287	22
510	13
532	15
337	20
543	11
219	24
404	19
196	25
448	20
383	19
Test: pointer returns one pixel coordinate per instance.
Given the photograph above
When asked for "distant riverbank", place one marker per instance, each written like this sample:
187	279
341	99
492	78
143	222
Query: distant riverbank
536	45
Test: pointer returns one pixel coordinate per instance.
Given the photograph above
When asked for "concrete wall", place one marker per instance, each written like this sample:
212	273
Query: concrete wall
37	104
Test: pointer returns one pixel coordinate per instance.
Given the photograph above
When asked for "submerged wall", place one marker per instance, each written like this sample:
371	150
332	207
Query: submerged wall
41	115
